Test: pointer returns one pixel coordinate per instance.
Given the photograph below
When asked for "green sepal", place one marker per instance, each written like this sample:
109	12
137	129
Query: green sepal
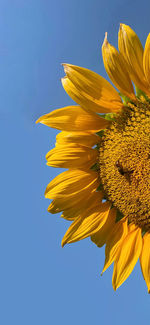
100	133
143	232
99	188
95	167
112	206
140	93
125	99
110	116
119	216
96	146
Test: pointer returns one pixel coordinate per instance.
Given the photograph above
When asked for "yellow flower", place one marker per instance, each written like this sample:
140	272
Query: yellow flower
105	145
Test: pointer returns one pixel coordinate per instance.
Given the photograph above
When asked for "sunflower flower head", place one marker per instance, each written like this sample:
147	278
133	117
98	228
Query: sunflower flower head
104	144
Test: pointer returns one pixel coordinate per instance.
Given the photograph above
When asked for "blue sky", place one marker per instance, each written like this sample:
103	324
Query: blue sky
41	283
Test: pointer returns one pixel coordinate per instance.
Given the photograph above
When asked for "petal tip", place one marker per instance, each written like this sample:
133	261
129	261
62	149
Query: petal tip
63	79
45	193
63	243
121	26
115	288
105	43
37	121
66	67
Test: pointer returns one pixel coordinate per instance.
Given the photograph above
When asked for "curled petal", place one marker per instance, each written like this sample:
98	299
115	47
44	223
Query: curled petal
88	103
88	223
72	185
76	210
115	66
101	236
90	90
131	49
127	256
73	208
113	242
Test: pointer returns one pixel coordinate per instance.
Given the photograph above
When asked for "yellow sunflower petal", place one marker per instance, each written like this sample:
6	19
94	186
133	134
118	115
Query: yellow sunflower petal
146	59
72	156
145	259
68	214
72	185
75	211
73	118
100	237
131	48
127	256
115	66
53	207
89	103
71	204
88	223
90	90
115	237
82	138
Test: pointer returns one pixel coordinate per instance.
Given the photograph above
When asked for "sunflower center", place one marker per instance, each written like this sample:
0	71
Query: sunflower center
124	159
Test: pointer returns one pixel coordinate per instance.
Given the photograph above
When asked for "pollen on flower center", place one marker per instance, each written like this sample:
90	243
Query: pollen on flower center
124	159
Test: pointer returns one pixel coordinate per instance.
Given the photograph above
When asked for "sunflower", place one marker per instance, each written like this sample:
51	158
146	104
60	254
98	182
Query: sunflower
104	144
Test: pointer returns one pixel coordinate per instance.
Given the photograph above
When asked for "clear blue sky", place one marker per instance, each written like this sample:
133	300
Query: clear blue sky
41	283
